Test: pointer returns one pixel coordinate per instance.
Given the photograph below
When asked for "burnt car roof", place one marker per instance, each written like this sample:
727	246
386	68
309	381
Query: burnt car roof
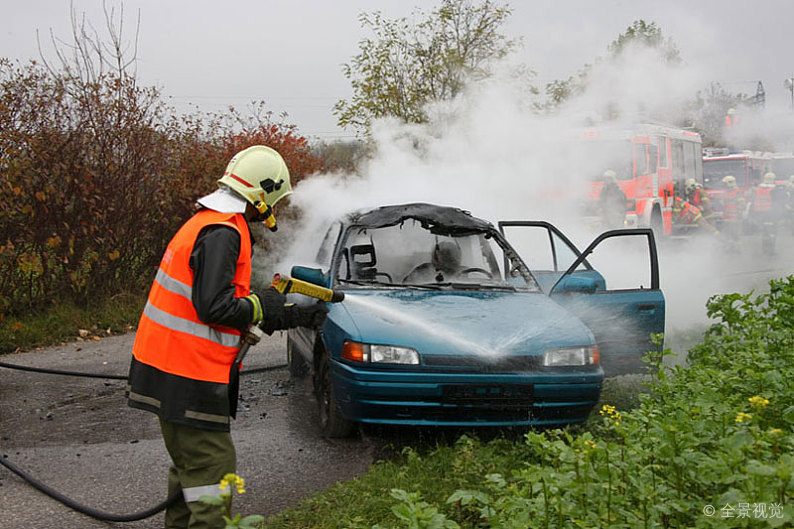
440	220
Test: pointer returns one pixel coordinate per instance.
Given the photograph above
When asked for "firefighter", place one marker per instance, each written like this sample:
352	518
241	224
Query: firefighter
697	197
686	214
612	202
733	204
189	333
766	210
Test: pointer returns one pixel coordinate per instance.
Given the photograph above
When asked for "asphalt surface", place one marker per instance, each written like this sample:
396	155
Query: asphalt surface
78	436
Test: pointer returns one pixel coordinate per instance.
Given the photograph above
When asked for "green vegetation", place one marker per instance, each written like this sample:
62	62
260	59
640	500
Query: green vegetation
60	323
716	434
97	173
407	65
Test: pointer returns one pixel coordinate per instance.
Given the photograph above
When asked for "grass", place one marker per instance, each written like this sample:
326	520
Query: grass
436	465
435	472
67	322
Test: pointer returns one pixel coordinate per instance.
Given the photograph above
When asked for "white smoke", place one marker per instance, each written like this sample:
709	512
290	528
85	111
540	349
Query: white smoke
491	153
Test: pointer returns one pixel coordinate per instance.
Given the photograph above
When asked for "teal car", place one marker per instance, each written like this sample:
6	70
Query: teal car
443	323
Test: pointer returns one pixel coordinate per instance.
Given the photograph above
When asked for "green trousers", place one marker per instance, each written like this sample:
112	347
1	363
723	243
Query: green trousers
200	460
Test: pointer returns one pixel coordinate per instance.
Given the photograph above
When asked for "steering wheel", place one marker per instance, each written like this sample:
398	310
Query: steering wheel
416	270
475	270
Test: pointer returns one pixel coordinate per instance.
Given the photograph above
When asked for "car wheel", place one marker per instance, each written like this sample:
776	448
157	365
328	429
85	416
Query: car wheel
295	362
657	225
332	422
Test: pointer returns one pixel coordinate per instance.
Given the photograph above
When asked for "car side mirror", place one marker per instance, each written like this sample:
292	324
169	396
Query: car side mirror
576	284
314	276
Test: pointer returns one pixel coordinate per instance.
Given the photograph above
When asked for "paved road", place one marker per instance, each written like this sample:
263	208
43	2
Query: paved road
78	436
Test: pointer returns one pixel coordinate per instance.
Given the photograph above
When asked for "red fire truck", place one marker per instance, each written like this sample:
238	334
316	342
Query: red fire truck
651	163
748	167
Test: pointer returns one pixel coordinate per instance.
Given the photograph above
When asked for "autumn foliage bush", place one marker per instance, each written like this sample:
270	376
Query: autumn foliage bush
97	173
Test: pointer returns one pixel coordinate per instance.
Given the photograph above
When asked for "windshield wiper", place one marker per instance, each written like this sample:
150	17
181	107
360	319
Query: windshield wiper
479	286
369	282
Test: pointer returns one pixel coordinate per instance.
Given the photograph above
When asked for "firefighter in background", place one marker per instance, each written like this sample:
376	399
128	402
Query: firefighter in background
696	196
687	215
612	202
767	210
190	331
733	205
730	119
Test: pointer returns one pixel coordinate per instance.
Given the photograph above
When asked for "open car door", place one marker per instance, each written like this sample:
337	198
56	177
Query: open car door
612	286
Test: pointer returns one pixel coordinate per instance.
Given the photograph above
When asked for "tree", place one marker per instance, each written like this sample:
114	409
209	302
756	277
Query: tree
638	34
405	66
641	33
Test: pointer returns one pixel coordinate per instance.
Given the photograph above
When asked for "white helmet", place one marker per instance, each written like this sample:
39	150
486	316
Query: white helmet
729	181
258	174
769	178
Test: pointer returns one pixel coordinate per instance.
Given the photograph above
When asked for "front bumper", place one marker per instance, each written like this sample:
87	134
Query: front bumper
464	399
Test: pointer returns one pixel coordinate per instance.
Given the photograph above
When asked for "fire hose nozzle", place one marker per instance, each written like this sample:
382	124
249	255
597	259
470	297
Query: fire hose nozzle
287	285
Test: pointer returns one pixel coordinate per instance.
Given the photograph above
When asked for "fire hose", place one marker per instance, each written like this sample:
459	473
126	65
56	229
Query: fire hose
72	504
283	285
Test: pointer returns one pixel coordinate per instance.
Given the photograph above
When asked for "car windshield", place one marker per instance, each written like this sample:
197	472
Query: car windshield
408	254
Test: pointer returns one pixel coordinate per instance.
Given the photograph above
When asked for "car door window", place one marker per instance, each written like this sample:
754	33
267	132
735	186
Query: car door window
623	262
540	246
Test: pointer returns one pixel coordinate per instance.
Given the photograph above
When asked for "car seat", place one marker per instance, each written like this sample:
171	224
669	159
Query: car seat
363	261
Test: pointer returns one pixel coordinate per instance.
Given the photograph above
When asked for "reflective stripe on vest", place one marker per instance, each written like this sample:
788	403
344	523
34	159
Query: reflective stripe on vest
170	335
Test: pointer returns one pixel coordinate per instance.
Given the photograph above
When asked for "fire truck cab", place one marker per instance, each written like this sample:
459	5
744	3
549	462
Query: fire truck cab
747	167
651	162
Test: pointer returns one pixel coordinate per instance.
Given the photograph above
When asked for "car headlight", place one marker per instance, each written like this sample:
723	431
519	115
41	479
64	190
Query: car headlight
571	356
379	354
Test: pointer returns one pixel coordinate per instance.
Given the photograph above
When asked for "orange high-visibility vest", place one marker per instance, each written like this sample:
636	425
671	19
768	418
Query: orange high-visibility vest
763	199
170	335
731	205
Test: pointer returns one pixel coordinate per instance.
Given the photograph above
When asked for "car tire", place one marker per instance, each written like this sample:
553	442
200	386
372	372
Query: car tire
657	225
295	362
332	422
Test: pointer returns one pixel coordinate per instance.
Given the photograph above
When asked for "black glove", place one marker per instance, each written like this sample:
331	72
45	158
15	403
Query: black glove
273	310
311	316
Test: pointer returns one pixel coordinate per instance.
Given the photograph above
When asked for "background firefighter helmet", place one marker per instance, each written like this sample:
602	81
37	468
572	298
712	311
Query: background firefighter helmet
690	185
729	181
259	175
769	178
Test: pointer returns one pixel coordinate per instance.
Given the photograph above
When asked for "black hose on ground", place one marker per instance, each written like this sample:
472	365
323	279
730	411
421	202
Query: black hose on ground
112	377
88	511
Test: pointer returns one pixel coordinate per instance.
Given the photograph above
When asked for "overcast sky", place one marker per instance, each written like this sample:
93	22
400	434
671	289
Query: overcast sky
289	52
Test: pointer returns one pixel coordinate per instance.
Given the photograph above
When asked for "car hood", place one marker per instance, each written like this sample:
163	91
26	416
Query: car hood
459	322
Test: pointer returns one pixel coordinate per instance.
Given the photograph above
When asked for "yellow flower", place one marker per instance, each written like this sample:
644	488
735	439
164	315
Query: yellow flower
758	402
743	417
606	409
233	479
776	431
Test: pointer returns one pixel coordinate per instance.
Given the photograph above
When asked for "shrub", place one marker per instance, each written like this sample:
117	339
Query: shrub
96	175
711	445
